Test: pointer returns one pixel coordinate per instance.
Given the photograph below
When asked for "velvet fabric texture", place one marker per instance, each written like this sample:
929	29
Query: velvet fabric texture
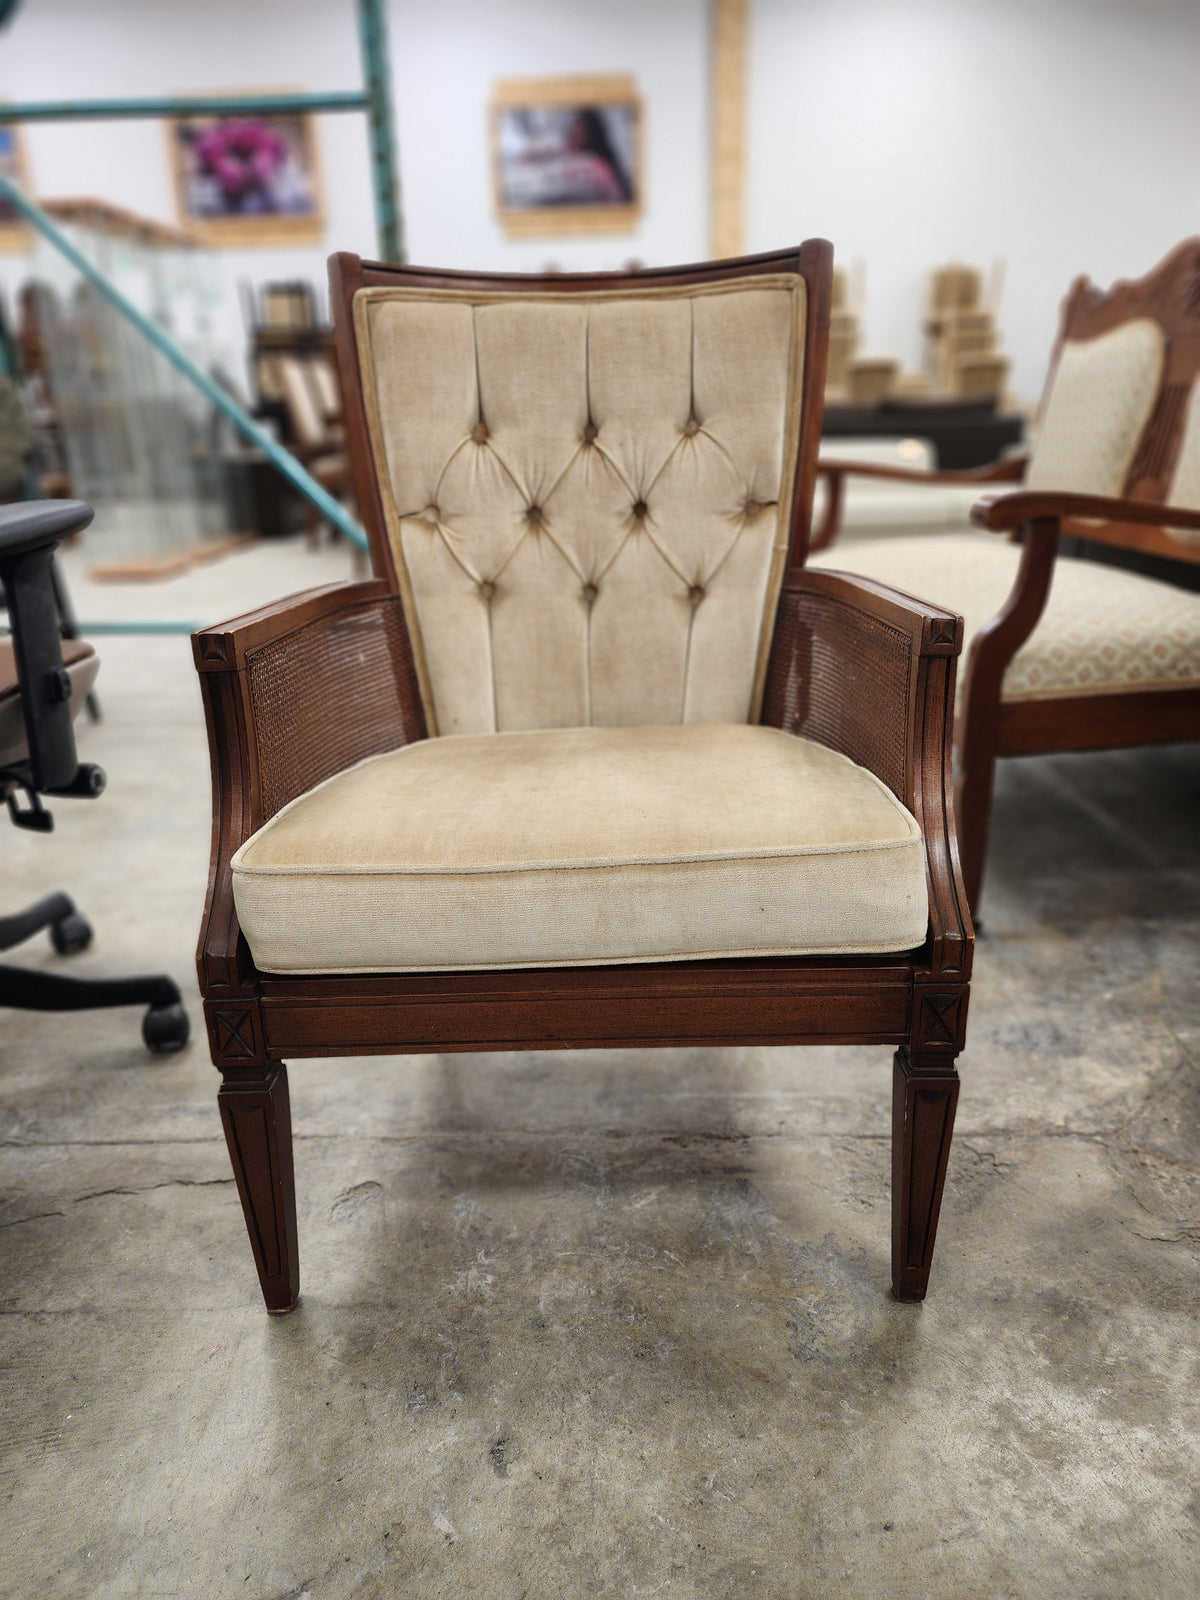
584	846
587	495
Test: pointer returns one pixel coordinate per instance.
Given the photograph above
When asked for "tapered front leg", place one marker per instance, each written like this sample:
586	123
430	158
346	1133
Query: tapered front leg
924	1097
257	1117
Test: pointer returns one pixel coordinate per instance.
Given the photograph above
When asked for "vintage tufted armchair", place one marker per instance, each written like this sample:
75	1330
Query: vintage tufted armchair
1064	653
592	761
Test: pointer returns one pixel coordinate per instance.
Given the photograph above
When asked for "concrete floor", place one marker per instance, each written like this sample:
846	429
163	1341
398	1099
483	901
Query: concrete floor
610	1324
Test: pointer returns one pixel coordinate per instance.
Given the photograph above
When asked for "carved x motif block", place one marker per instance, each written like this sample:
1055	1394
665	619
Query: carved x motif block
234	1036
939	1019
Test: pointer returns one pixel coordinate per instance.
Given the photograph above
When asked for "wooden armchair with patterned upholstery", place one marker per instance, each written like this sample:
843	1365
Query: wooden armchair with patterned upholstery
1066	653
592	761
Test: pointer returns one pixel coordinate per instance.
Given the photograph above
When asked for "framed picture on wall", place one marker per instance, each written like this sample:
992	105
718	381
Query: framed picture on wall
14	235
248	180
567	155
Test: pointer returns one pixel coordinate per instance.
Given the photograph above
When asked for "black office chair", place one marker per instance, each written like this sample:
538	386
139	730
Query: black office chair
43	682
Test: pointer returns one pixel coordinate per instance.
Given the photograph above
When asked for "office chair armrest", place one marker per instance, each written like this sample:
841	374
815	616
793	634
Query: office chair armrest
293	693
29	532
29	525
1010	469
870	671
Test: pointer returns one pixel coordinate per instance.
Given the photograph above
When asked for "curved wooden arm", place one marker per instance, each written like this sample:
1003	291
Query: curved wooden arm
223	647
1009	470
1007	511
869	671
293	692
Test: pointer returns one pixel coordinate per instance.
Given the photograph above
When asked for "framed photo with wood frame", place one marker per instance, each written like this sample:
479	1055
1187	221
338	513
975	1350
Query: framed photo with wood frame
14	234
567	155
246	180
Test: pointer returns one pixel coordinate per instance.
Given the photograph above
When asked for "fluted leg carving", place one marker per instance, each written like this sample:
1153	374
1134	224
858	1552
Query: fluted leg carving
257	1117
924	1097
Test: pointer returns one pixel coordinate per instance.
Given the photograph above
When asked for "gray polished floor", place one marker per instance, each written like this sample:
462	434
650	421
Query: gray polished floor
611	1324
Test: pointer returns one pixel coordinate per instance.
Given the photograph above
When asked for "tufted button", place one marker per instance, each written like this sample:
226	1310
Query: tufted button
590	433
535	516
640	509
431	514
487	590
751	508
480	433
696	593
590	592
691	427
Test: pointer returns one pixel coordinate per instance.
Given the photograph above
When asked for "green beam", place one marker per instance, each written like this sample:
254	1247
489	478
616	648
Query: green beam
137	627
281	459
385	179
184	105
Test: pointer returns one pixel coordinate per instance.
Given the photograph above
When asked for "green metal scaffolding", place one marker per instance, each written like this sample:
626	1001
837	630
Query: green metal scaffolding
374	99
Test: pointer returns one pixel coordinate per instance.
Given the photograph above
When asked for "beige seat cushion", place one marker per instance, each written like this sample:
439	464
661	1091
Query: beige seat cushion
1104	631
583	846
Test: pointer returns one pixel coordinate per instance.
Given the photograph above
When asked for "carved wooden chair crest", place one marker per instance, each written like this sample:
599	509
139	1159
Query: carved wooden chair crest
1066	654
592	761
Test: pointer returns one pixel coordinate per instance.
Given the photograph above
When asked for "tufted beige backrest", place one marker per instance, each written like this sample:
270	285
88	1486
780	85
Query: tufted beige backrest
587	494
1099	401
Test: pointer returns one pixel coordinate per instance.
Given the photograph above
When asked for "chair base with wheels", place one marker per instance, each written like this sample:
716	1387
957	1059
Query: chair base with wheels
44	681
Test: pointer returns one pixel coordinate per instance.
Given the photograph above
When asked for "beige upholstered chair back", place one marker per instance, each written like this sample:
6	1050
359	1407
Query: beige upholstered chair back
1097	404
587	494
1185	479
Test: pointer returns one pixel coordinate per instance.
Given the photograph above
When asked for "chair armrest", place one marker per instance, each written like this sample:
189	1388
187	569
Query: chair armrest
1010	470
293	693
1006	511
869	671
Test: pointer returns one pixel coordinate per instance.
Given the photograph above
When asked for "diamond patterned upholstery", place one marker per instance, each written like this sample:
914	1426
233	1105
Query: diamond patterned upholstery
1099	401
1103	631
586	495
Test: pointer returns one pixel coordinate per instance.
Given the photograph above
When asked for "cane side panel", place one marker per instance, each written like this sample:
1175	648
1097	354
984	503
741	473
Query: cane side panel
844	678
328	695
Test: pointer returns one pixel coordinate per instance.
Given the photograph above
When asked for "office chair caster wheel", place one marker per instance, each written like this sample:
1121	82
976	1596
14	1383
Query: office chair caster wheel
71	934
165	1029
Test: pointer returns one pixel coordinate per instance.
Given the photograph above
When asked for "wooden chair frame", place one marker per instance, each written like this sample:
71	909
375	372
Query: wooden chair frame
310	685
1137	521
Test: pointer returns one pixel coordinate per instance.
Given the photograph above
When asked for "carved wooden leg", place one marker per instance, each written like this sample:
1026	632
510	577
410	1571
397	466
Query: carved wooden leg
257	1117
924	1095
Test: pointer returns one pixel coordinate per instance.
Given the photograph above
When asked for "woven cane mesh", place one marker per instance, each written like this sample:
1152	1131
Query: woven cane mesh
328	695
841	677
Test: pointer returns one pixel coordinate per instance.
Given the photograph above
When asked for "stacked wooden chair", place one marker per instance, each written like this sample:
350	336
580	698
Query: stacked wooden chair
592	760
1065	653
962	343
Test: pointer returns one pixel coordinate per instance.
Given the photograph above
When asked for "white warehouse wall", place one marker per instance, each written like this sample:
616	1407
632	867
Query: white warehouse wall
1061	135
445	58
